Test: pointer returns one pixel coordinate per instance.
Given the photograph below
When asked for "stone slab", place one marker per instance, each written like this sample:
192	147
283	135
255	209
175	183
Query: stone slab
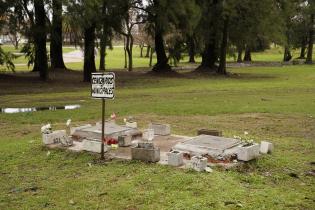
209	132
92	146
56	137
160	129
148	155
205	144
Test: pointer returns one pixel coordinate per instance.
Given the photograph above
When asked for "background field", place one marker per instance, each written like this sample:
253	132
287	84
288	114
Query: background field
274	103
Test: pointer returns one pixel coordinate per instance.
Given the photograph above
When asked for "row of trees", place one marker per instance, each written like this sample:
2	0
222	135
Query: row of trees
211	28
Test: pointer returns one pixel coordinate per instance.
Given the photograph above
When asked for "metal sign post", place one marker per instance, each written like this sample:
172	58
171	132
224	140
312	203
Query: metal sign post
102	87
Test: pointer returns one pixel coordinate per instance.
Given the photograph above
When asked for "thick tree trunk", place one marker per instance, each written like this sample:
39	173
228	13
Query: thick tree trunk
309	59
89	56
287	54
56	36
192	47
222	66
248	54
303	48
239	55
162	61
148	51
40	40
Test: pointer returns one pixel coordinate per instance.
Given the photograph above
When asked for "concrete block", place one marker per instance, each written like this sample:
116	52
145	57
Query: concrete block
143	154
175	158
124	141
160	129
146	145
148	134
56	137
93	146
209	132
266	147
132	124
199	163
248	153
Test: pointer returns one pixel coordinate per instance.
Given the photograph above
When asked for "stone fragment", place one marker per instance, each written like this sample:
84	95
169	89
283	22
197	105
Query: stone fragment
209	132
248	153
56	137
175	158
148	134
266	147
93	146
144	154
160	129
199	163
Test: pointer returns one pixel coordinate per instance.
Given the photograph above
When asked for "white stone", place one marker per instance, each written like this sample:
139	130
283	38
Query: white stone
148	134
56	137
132	124
160	129
74	129
175	158
93	146
199	163
248	153
266	147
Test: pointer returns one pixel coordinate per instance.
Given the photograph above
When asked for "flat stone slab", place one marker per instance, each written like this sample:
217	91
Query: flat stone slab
111	129
205	144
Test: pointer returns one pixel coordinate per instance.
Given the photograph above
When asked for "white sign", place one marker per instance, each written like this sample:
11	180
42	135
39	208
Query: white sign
103	85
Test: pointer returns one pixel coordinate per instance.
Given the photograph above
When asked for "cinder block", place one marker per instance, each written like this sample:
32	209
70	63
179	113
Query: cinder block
248	153
175	158
132	124
56	137
93	146
266	147
209	132
143	154
160	129
124	141
148	134
199	163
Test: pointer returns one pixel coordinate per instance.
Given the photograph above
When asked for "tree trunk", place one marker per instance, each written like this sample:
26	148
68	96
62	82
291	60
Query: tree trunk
239	55
141	50
222	66
125	49
40	40
89	56
162	61
102	50
287	54
248	54
148	51
303	48
192	47
56	37
151	55
129	46
309	59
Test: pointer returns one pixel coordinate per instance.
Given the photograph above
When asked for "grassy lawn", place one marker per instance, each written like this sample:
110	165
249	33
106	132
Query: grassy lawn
274	103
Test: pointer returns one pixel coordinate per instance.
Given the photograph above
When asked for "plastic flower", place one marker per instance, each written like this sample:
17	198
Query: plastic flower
245	132
113	116
46	129
125	120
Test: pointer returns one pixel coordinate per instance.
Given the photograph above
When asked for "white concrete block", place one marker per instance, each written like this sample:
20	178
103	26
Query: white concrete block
199	163
160	129
248	153
148	134
93	146
266	147
132	124
175	158
56	137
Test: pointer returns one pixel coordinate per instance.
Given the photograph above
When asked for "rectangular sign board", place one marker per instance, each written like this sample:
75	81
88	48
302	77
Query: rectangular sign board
103	85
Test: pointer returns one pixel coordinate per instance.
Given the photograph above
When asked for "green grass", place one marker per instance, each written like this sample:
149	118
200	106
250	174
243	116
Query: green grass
275	103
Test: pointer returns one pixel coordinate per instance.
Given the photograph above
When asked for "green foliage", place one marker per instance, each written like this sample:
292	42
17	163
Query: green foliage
6	58
29	51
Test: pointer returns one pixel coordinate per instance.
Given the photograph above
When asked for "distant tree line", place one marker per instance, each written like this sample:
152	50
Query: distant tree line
170	28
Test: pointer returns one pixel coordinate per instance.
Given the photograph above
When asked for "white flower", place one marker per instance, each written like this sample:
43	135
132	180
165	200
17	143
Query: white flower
125	120
68	122
245	132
